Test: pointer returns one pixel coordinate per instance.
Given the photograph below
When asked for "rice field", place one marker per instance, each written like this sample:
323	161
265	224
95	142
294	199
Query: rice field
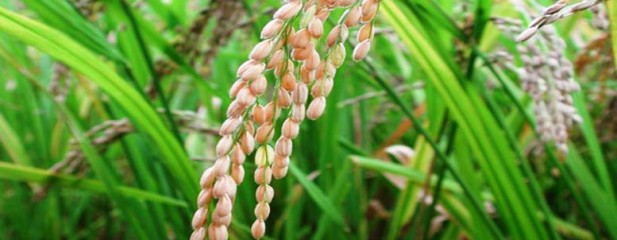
308	119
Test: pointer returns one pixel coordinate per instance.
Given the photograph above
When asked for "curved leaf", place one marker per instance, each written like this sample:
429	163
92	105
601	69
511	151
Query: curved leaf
140	112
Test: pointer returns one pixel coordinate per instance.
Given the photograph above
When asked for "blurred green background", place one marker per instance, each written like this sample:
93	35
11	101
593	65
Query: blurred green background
109	112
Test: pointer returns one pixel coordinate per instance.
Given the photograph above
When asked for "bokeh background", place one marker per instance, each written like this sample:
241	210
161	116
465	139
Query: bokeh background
109	111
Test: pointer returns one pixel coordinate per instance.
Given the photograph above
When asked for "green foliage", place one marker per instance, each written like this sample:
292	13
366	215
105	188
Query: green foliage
476	172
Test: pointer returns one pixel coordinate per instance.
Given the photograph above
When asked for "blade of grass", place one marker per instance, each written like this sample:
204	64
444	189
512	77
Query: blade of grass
441	157
61	15
12	144
600	199
82	60
15	172
139	164
340	189
513	201
436	191
156	81
452	187
598	162
510	92
318	196
132	211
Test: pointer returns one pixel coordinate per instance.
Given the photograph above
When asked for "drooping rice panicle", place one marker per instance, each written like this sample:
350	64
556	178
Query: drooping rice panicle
547	76
294	57
553	13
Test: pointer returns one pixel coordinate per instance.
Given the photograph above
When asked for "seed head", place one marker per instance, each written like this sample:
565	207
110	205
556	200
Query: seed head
298	113
308	15
245	66
306	75
337	55
353	17
582	5
369	10
313	61
239	134
246	97
316	108
283	146
264	133
300	94
284	99
235	88
261	50
264	156
555	7
281	161
290	129
207	178
301	54
223	206
301	39
365	32
221	220
235	109
237	173
276	59
259	85
258	229
527	34
323	14
247	142
237	155
272	29
230	125
279	172
204	198
288	81
264	193
224	145
263	175
345	3
253	72
361	50
288	10
199	219
270	111
258	113
335	35
315	28
199	234
286	66
224	186
262	210
217	232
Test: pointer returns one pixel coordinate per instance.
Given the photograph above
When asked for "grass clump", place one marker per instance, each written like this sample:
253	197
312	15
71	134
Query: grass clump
455	120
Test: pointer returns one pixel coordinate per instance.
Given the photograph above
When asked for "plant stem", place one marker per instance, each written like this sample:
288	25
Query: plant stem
155	78
440	155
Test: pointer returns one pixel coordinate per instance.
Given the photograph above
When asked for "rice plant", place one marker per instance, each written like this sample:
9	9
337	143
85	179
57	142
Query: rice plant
308	119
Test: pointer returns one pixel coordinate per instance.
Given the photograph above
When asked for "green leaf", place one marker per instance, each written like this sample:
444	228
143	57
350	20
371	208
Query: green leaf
487	142
13	144
60	14
318	196
140	112
15	172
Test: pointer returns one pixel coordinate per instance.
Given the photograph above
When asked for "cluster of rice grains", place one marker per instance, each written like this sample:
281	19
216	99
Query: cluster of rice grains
547	75
551	14
548	78
293	56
